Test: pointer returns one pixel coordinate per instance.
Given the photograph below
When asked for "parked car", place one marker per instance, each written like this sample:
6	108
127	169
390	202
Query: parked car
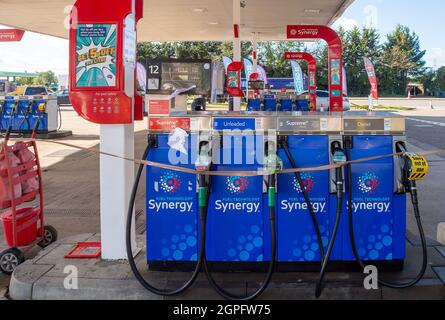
323	100
63	97
30	91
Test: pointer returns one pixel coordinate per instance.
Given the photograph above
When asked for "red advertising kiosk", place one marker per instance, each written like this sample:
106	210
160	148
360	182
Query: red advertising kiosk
335	57
102	90
312	72
103	59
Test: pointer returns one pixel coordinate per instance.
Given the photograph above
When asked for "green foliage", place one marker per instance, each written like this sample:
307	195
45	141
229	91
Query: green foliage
45	79
25	81
439	81
397	60
401	59
271	57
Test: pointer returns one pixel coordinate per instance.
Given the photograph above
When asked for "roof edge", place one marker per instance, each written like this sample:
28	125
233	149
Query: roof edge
341	9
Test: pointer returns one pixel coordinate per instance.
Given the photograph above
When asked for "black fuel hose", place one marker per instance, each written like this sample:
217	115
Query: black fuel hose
415	202
137	274
223	293
339	211
306	198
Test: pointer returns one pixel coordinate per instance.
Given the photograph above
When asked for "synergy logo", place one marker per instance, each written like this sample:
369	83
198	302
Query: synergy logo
237	185
368	183
308	183
170	182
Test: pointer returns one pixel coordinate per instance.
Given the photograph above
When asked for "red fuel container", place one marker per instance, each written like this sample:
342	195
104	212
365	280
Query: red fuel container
26	226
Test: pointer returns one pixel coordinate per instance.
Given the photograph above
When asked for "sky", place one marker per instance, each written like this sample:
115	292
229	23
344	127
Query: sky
37	53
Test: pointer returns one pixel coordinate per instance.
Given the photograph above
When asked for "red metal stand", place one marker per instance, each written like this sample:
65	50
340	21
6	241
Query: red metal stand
24	226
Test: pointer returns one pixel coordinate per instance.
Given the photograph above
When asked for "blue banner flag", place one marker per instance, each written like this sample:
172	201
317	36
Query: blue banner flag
298	77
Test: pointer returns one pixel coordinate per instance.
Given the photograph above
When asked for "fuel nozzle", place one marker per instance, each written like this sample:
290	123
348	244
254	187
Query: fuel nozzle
42	107
204	159
272	162
339	158
30	104
415	167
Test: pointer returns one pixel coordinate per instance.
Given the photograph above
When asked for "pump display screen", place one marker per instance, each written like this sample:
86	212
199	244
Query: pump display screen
256	85
96	55
188	76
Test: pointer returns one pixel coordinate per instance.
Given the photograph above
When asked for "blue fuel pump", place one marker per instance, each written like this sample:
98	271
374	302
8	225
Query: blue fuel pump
302	236
39	115
160	142
254	105
270	102
21	122
236	223
351	146
286	104
8	113
2	108
339	158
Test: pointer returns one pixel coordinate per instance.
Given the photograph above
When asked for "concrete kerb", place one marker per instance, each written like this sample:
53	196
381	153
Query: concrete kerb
43	278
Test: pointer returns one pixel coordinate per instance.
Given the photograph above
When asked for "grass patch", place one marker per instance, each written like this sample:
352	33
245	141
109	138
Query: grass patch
223	106
383	107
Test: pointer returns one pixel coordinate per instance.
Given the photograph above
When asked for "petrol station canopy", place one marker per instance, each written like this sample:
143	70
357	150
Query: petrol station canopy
185	20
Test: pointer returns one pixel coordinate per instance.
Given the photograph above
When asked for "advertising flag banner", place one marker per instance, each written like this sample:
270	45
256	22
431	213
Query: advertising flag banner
298	77
263	74
248	68
345	82
372	78
226	61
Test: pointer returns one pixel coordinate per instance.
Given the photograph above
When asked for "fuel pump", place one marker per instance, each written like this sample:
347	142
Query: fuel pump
256	87
11	113
2	109
137	274
272	164
284	144
413	168
38	115
338	158
41	109
24	108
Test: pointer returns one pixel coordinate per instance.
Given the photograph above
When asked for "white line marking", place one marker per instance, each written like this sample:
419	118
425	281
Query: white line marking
435	123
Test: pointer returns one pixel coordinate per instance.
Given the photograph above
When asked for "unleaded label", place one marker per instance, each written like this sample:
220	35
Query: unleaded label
221	124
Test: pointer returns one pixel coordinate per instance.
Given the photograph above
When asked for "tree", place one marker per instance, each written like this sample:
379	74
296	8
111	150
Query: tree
398	60
401	59
45	79
271	57
25	81
320	53
439	81
154	50
197	50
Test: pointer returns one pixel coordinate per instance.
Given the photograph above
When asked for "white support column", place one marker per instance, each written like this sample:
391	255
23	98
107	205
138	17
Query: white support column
116	180
255	52
236	44
116	174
